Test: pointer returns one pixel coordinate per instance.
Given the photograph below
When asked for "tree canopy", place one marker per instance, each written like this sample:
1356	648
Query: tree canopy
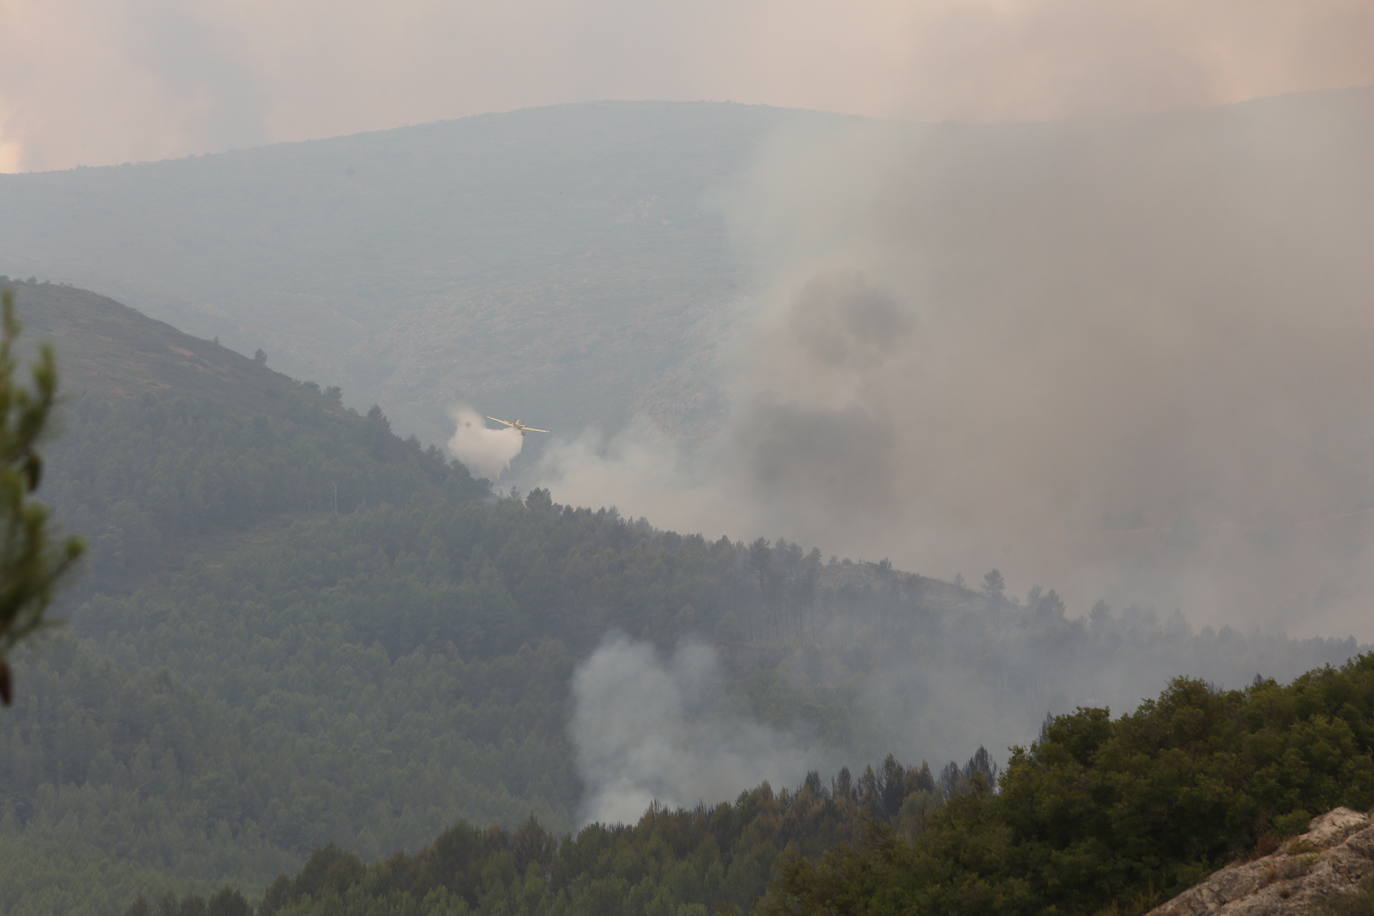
1102	813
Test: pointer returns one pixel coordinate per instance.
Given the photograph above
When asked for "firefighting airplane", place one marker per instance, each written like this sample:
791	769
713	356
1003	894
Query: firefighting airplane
518	425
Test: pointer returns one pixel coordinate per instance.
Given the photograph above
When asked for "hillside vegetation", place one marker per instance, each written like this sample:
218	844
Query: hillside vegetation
1117	815
715	859
1099	815
298	629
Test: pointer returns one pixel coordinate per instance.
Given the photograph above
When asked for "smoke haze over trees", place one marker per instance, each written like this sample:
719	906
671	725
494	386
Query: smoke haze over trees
271	664
649	730
1098	815
1126	354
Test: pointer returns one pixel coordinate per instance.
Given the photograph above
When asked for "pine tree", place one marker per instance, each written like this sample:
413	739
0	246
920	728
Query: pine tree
30	563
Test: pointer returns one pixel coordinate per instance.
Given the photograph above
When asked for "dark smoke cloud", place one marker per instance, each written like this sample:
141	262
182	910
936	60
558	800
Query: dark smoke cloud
1119	357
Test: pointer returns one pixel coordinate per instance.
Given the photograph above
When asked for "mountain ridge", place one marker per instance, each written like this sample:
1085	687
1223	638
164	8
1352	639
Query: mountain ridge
570	261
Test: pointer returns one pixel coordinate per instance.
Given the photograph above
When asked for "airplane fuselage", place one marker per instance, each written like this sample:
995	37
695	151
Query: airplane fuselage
518	425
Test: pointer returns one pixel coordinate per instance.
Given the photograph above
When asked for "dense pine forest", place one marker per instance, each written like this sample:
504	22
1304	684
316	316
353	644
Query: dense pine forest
296	629
704	860
1098	815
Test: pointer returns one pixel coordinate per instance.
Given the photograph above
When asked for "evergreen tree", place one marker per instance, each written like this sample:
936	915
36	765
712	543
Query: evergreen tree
993	584
30	561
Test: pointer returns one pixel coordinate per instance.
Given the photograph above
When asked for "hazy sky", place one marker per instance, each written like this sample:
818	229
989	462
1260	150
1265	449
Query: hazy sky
102	81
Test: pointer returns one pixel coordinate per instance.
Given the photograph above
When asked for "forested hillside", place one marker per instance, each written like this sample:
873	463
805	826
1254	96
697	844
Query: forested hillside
167	439
297	629
1097	816
709	859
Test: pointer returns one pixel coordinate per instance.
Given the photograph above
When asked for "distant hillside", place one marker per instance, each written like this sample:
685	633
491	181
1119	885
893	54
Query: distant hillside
571	264
547	263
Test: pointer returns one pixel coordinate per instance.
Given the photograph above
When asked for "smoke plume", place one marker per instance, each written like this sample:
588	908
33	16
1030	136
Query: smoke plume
1128	358
648	728
483	449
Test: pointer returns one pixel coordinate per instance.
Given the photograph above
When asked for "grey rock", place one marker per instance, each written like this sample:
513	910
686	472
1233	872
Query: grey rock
1332	857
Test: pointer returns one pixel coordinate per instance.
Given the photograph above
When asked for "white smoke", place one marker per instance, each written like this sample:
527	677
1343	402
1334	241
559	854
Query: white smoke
640	467
1111	356
648	728
488	452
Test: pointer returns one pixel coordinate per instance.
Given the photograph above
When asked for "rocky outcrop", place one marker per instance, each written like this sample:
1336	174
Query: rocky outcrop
1331	858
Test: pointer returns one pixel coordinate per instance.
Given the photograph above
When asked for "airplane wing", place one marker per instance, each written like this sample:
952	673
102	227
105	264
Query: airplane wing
499	420
535	429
